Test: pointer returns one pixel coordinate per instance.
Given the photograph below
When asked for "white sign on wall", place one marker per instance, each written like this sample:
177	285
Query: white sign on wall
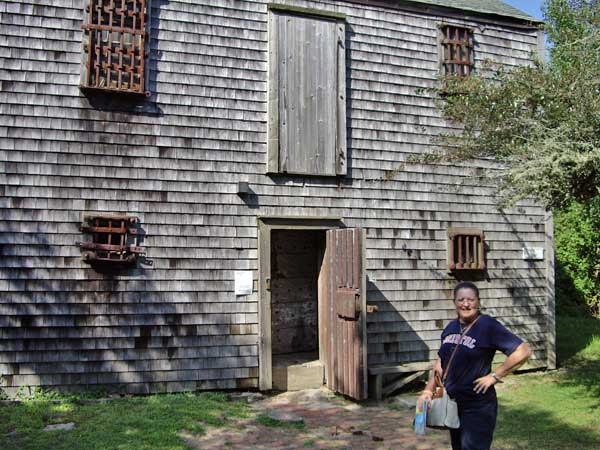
243	282
533	253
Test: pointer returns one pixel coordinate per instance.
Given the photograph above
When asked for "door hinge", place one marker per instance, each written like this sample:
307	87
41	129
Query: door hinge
357	301
372	309
268	283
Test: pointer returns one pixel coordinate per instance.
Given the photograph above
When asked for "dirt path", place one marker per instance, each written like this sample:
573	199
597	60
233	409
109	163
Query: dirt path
329	422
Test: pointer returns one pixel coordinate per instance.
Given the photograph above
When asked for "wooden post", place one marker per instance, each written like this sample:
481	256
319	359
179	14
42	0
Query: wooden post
551	321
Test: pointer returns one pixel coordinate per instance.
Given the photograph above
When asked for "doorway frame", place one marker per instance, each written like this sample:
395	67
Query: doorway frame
265	226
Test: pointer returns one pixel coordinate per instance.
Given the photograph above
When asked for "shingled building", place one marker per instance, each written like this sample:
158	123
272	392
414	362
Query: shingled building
205	195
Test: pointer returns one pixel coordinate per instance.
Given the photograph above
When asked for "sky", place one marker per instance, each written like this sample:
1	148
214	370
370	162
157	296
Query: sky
531	7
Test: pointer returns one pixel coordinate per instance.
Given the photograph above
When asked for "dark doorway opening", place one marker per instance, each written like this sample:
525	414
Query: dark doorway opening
296	263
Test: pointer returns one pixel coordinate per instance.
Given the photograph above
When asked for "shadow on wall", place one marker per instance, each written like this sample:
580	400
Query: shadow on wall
529	295
391	339
64	325
22	292
349	108
68	327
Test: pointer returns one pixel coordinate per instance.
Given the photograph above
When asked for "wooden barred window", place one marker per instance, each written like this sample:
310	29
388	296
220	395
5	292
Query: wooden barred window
114	44
457	50
115	240
466	250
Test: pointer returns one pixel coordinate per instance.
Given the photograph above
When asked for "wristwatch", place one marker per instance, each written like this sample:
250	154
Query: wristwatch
496	377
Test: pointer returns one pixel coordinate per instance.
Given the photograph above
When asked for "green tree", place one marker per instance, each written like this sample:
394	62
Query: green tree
542	124
541	121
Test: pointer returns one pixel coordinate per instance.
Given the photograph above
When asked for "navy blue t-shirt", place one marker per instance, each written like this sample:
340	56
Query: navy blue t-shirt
474	357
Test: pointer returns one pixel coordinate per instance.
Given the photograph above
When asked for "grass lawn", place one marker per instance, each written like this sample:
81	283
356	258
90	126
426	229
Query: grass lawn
140	423
557	410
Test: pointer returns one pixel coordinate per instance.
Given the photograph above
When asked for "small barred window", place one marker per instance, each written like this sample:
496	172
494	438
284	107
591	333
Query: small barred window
114	240
114	44
466	249
457	50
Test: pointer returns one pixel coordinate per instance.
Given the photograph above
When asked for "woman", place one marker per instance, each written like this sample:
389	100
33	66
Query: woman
470	380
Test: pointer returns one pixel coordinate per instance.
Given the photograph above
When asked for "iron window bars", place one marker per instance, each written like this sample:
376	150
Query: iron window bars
457	50
114	44
115	240
466	249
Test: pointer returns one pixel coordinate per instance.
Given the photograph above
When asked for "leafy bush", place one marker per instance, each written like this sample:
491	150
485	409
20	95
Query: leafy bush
577	241
541	120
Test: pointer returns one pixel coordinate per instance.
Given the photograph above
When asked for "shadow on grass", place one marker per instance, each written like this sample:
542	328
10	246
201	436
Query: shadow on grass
578	347
524	427
557	410
575	334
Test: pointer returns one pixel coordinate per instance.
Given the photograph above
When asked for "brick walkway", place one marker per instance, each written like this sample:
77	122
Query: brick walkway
330	423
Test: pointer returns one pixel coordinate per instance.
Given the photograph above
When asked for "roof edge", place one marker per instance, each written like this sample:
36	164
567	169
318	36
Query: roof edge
521	17
434	7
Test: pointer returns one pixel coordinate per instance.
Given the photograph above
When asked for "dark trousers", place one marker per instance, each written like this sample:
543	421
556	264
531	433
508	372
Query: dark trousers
477	423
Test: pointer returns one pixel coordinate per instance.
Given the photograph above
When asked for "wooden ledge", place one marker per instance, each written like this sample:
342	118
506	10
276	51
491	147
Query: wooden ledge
412	371
402	368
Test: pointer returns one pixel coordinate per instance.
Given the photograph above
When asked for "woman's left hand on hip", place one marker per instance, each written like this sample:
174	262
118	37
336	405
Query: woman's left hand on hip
483	384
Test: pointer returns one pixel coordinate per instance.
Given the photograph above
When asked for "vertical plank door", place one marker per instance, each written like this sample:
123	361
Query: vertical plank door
307	94
346	349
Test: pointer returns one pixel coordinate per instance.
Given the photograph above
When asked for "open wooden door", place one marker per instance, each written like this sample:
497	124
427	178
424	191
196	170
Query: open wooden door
344	309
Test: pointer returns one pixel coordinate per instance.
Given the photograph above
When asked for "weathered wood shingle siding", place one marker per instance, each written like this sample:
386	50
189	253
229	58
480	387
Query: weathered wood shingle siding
177	325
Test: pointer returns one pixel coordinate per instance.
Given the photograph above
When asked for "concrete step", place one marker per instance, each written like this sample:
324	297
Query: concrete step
295	374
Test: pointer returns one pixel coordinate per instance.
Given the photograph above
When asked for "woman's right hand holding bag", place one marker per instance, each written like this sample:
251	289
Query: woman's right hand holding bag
428	392
425	395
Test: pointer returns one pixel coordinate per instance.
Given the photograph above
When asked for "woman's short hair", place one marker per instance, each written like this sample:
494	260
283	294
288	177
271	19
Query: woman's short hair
466	285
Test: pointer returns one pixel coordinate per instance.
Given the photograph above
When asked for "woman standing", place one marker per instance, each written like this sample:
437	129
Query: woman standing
470	380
